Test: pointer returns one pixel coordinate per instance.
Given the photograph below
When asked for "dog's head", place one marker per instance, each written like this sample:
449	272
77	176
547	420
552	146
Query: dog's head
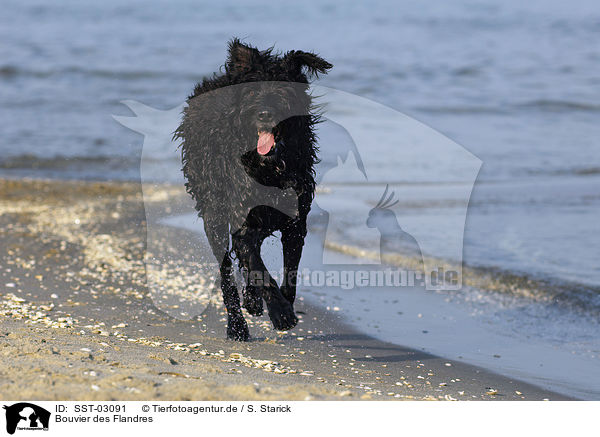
273	101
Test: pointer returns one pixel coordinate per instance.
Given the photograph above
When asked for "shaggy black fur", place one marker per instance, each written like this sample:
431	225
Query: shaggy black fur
241	192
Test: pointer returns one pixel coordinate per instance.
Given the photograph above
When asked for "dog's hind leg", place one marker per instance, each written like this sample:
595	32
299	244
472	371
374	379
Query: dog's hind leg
292	239
218	237
246	243
237	328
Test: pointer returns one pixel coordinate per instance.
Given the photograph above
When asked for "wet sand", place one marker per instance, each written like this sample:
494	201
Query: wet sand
77	320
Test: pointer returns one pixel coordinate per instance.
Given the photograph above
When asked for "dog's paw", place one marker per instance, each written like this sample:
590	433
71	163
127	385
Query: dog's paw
253	301
237	328
282	314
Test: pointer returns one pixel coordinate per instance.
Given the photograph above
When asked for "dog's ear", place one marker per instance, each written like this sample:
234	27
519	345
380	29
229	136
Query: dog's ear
241	56
295	60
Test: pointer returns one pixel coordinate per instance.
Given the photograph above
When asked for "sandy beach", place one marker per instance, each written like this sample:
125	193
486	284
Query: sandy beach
77	321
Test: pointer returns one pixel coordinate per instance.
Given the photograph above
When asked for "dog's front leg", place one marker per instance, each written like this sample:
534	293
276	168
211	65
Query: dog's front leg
246	243
292	240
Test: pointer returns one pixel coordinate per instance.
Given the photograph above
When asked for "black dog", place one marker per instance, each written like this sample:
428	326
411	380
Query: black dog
248	146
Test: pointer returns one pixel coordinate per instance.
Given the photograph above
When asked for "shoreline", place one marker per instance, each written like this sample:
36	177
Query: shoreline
570	294
74	300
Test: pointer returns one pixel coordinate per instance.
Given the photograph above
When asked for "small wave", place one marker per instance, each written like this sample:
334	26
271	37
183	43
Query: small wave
28	161
587	171
577	171
580	297
8	71
559	105
467	71
462	110
11	71
541	105
115	74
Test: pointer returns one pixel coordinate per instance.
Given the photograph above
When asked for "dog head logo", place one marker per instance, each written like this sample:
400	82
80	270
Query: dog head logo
26	416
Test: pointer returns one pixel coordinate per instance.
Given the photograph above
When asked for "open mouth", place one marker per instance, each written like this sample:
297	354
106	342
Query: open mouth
266	141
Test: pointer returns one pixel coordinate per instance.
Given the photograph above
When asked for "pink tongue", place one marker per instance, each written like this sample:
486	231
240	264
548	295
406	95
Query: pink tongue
266	140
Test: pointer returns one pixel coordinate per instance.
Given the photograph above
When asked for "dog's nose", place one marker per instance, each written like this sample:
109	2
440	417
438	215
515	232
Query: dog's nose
264	116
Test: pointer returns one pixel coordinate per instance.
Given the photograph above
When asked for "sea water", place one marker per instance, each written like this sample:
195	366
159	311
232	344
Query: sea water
517	84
